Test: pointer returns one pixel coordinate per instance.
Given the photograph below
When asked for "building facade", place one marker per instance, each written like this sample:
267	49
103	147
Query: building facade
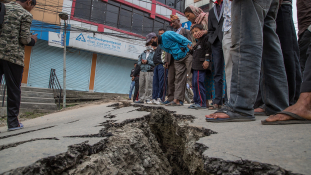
104	39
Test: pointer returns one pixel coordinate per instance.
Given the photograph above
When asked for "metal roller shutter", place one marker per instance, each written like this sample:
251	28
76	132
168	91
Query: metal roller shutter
113	74
44	58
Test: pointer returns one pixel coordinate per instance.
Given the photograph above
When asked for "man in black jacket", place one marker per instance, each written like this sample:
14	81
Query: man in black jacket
215	23
159	75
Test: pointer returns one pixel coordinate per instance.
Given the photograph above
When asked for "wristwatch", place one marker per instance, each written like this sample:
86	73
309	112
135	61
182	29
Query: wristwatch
208	60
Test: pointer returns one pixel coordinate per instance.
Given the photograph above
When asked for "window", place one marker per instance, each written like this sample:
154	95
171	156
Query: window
137	24
119	16
112	14
125	20
83	9
175	4
98	11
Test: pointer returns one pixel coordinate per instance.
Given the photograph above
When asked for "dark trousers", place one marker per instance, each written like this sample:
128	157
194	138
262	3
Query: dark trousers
198	78
13	78
136	93
218	61
159	82
306	84
171	81
304	42
289	44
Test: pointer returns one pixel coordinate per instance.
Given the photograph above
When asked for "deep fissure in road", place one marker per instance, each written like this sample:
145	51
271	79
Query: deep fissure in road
159	143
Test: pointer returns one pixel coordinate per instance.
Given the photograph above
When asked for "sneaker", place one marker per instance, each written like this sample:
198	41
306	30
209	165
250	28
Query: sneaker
154	101
166	102
138	101
149	102
181	102
193	106
21	126
158	102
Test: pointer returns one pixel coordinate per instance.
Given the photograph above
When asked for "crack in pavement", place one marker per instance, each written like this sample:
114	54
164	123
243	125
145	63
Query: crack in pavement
7	136
2	147
72	121
158	143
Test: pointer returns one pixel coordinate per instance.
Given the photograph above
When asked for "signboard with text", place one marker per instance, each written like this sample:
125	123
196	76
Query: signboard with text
107	44
56	39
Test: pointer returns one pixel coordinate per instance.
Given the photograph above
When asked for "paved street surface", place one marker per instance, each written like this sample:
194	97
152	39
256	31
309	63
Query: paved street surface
287	146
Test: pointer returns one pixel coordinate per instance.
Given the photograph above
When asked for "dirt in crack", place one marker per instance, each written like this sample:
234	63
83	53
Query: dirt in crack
159	143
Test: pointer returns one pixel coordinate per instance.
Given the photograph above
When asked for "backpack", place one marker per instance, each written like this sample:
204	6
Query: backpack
2	13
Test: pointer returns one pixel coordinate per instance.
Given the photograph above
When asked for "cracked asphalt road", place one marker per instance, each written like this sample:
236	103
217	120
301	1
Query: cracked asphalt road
287	146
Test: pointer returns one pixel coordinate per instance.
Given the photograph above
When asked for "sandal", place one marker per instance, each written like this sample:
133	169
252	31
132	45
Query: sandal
297	120
213	107
233	117
173	104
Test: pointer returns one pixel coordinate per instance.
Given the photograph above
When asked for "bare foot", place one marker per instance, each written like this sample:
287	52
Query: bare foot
259	110
301	108
176	101
217	115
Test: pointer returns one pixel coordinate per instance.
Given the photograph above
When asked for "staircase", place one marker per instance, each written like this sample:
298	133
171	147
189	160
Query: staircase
35	99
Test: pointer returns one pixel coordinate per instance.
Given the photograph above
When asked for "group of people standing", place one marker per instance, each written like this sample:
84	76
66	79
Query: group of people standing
242	55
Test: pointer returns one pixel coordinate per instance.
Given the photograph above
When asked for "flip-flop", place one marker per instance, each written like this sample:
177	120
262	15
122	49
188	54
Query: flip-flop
173	104
297	120
233	117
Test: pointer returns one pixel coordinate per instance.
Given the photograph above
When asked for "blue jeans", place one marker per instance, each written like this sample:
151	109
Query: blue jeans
255	43
131	89
198	77
159	82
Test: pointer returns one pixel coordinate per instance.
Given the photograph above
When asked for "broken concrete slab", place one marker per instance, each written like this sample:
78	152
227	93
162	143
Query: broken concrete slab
175	143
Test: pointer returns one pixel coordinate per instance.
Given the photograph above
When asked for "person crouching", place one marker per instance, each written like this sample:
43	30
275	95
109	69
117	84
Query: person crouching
201	53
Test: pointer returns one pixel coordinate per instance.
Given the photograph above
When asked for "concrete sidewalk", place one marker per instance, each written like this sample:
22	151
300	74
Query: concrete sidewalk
286	146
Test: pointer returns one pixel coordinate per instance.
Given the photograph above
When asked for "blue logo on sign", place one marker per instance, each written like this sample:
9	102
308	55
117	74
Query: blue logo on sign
186	25
80	38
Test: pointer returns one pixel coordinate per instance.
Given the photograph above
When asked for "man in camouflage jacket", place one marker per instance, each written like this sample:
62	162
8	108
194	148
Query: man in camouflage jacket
14	35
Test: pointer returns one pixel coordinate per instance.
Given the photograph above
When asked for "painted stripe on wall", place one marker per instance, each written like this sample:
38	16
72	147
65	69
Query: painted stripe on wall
93	69
26	62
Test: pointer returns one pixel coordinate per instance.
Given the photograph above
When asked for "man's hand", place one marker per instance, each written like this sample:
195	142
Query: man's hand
166	65
35	37
205	64
133	78
189	47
